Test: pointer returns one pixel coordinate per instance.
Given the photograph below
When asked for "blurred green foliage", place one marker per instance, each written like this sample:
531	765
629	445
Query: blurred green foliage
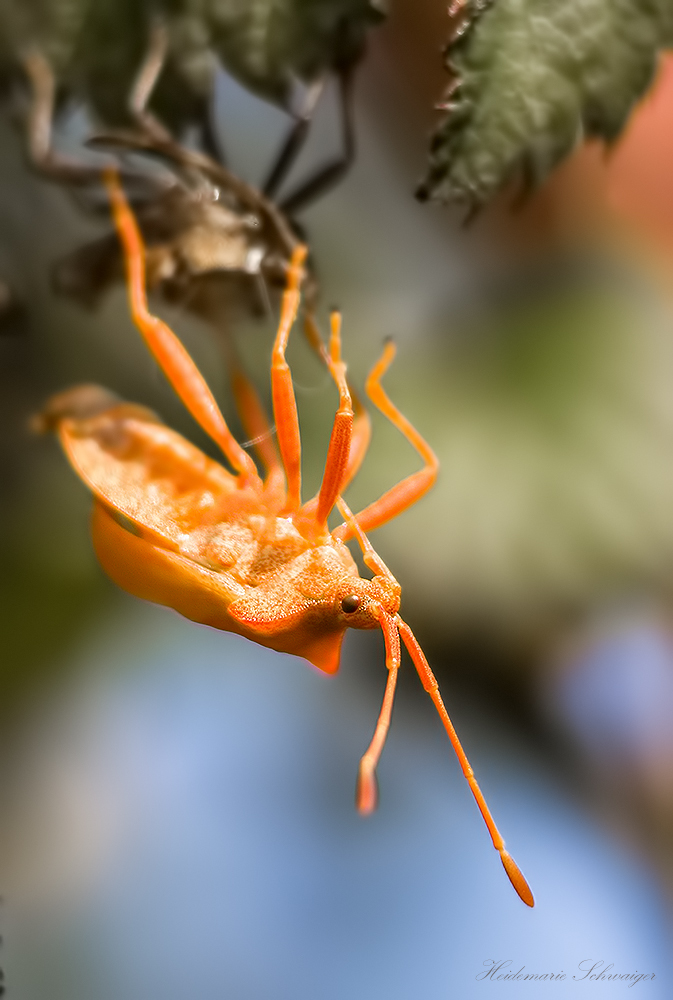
531	79
549	407
96	47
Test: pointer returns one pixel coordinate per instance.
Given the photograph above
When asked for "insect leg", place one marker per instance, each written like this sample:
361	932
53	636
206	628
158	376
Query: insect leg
41	113
282	390
409	490
146	80
294	141
339	448
350	434
40	121
362	433
331	174
145	84
361	428
430	684
169	352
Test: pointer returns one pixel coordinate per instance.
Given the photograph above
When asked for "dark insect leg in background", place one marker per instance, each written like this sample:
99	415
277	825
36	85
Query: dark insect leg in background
329	175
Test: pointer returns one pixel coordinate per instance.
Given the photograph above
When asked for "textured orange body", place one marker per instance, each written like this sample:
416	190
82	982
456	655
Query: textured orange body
236	550
171	526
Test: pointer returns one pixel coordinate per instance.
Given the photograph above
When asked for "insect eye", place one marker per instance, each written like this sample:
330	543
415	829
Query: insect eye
350	604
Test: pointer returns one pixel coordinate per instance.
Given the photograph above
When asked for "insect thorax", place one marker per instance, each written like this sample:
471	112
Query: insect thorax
256	549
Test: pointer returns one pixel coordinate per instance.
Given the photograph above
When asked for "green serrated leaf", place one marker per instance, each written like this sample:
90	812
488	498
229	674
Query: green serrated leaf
531	78
96	47
269	44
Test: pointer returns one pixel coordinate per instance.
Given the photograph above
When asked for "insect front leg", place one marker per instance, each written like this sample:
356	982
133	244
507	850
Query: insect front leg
167	349
338	452
361	428
146	81
329	175
294	141
430	684
282	390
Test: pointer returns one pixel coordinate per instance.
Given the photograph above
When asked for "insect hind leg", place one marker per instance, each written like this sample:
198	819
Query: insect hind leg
409	490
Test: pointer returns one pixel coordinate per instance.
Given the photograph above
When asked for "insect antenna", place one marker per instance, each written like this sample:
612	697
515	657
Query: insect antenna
366	790
394	628
431	686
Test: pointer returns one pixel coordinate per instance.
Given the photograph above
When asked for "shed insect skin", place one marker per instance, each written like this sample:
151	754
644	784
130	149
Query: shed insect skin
238	551
214	243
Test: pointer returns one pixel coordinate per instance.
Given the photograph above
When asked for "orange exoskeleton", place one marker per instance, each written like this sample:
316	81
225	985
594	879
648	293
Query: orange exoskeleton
232	549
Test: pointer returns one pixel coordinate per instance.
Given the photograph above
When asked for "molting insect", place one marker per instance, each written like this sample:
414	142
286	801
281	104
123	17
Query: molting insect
236	550
214	243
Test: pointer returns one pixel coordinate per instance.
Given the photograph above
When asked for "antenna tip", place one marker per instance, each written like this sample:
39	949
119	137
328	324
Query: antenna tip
366	790
515	876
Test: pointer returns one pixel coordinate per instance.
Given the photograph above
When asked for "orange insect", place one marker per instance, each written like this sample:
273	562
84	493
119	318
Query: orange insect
240	552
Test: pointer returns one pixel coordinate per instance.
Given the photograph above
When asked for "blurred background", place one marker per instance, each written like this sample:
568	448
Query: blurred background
177	814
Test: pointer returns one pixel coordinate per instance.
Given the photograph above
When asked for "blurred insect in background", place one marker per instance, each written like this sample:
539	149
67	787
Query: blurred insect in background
214	244
237	551
218	246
